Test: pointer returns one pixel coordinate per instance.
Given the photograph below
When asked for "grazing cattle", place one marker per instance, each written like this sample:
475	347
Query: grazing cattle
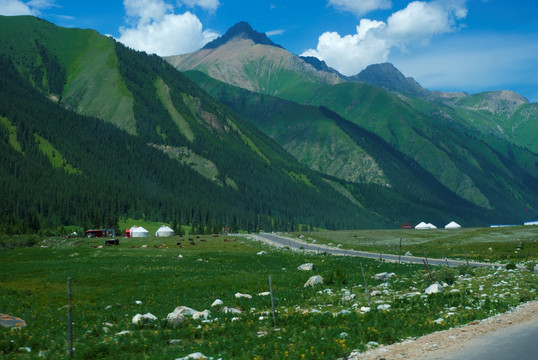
192	243
178	243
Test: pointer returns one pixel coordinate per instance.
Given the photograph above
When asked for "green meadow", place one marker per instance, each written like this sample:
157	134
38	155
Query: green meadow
518	244
111	284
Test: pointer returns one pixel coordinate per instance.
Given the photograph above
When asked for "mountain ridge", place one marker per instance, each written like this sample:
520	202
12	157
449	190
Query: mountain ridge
413	120
242	30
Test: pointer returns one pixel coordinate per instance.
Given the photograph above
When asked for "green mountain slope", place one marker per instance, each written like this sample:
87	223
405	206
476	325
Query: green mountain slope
487	171
192	159
309	132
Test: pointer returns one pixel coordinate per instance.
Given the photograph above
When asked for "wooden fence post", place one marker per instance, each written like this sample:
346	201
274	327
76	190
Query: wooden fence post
366	287
69	319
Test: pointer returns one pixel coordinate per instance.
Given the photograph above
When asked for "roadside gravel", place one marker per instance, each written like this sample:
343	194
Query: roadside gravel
442	343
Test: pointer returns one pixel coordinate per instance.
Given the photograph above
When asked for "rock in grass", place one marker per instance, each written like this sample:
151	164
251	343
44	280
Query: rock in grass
433	289
239	295
384	276
230	310
201	314
185	311
383	307
262	253
314	280
306	267
179	313
217	302
144	319
194	356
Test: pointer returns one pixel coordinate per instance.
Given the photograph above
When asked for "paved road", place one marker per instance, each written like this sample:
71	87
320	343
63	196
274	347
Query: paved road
516	342
281	241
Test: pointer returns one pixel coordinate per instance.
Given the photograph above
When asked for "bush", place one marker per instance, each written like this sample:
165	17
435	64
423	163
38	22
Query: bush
465	270
511	266
445	274
336	276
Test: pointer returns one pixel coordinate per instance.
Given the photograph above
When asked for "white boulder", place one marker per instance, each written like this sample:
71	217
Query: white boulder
179	313
230	310
433	289
201	314
146	318
306	267
217	302
194	356
314	280
239	295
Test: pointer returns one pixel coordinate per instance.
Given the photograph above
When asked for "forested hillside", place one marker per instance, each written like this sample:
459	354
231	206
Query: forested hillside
191	160
91	131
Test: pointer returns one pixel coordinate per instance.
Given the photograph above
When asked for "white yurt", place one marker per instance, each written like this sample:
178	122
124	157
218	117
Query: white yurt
431	226
139	231
165	231
422	225
452	225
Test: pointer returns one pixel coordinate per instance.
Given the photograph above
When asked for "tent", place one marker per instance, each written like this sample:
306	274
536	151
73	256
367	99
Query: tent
165	231
535	222
422	225
139	231
452	225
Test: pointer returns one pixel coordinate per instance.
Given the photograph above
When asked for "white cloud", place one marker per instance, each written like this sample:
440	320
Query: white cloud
351	53
360	7
156	29
275	32
416	24
210	5
14	7
18	7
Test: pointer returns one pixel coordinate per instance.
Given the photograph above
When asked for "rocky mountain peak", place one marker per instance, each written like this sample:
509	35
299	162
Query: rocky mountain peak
390	78
241	30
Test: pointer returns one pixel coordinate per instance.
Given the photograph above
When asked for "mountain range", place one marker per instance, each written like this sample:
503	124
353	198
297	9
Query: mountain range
249	135
479	146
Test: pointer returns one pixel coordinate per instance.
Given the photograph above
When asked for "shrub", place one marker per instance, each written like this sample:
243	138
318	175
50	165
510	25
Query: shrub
336	276
465	270
446	274
511	266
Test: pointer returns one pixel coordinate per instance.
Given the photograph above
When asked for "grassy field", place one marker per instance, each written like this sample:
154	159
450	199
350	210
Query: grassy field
111	284
507	244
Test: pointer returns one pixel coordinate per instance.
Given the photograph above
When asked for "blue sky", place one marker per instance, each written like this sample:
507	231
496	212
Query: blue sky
447	45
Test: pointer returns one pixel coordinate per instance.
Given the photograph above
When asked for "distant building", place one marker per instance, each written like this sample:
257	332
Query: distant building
93	233
535	222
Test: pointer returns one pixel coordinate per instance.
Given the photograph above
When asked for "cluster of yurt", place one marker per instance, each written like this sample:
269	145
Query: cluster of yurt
139	231
451	225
